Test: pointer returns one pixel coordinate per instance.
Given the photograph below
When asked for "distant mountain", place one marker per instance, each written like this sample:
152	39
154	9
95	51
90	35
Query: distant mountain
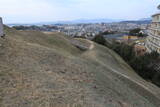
145	19
93	21
79	21
85	21
141	21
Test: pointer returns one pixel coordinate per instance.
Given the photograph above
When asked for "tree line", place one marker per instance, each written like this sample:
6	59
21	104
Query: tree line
147	66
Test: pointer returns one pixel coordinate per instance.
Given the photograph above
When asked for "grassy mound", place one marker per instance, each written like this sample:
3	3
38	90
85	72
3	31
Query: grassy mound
47	70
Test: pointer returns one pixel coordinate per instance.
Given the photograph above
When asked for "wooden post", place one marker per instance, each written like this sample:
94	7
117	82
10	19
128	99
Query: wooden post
1	28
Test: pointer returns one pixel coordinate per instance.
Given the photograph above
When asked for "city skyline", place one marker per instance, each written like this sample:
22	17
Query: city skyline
32	11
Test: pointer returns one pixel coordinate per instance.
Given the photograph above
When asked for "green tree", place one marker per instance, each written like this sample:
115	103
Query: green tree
135	32
99	39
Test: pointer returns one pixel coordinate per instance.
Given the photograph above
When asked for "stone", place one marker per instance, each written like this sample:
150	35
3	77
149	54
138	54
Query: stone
1	28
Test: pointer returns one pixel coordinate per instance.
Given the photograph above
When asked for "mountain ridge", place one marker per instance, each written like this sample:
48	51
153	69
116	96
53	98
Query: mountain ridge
84	21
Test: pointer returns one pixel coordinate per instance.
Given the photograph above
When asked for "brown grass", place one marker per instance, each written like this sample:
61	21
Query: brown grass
47	70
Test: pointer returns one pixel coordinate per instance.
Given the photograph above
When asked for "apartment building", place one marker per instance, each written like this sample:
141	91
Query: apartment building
153	40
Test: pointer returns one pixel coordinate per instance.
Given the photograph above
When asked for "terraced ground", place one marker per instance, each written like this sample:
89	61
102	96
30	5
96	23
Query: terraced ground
52	70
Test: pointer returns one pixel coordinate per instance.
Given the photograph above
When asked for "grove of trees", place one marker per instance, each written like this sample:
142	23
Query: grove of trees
147	66
136	32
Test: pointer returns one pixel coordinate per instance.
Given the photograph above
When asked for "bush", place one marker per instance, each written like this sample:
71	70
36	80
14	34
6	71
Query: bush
134	31
99	39
145	66
125	51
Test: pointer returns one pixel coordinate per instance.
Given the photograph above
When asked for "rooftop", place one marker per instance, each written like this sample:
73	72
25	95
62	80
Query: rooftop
156	14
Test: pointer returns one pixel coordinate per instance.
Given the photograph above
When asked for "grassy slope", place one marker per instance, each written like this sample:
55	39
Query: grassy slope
42	70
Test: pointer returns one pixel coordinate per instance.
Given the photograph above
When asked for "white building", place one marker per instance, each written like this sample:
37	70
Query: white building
153	40
1	27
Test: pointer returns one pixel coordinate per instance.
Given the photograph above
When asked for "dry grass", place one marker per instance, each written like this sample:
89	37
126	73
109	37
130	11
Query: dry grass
47	70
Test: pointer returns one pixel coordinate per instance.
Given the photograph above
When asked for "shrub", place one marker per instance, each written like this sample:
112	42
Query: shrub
145	66
99	39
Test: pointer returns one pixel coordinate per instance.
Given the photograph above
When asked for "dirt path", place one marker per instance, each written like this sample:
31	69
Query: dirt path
123	75
140	87
91	46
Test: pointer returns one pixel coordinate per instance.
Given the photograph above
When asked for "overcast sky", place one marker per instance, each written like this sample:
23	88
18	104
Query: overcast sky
28	11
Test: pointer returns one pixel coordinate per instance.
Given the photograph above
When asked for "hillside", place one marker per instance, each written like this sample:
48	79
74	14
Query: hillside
52	70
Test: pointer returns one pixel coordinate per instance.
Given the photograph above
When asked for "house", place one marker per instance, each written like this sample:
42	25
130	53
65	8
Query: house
128	38
140	50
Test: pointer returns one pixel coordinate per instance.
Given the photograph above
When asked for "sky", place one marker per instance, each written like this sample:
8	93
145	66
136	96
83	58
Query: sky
32	11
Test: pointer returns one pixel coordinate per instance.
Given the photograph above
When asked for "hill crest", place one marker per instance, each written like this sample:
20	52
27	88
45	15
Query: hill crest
37	69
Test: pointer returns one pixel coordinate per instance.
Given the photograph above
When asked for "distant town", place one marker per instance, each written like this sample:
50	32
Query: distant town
88	30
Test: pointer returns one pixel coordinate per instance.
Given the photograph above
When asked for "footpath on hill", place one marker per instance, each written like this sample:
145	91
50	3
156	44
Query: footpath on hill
141	88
